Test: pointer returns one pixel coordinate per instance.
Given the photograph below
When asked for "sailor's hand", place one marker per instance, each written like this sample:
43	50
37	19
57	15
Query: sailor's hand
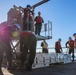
61	51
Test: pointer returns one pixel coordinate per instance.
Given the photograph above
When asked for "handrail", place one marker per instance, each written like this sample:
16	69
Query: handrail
52	50
47	29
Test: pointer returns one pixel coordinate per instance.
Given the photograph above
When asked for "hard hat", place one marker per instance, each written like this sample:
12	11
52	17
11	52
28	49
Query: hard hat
59	39
39	12
14	6
70	38
74	34
28	6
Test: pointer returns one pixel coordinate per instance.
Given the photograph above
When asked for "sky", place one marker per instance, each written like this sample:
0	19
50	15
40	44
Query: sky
62	14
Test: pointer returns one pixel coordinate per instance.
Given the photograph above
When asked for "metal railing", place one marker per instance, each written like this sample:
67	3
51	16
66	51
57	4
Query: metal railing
52	50
46	30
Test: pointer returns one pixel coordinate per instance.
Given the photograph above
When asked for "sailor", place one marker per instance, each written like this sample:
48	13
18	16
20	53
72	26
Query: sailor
70	44
58	47
27	44
6	36
44	46
27	18
38	25
74	40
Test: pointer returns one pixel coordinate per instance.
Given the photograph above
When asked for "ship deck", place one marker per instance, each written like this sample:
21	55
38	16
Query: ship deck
58	69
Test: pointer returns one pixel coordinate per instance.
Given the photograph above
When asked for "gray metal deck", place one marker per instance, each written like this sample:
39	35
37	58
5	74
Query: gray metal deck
61	69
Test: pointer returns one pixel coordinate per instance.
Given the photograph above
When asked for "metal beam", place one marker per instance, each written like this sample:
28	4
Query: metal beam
40	3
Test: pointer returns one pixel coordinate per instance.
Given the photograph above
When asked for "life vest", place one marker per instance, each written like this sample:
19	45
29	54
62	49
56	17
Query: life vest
45	45
38	19
75	44
71	43
27	14
57	45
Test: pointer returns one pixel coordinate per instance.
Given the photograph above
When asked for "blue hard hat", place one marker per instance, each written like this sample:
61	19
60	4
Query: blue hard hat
28	6
70	38
59	39
74	34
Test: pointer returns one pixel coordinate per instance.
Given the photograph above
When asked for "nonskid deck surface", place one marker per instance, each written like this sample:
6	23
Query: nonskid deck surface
59	69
